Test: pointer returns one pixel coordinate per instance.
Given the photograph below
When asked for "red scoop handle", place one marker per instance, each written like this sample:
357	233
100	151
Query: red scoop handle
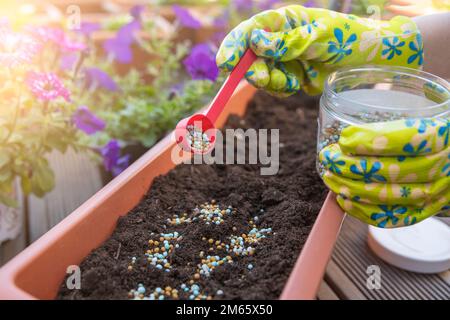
207	119
230	85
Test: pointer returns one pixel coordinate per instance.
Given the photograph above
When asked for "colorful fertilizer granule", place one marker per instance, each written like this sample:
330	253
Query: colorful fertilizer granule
330	134
238	247
214	245
157	294
239	244
197	140
177	219
209	264
255	235
211	213
220	253
133	261
194	292
160	250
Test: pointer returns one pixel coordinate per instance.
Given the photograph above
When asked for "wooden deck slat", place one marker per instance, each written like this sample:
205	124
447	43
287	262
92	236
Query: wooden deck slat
326	293
351	257
341	284
408	281
393	279
357	274
446	277
361	275
348	246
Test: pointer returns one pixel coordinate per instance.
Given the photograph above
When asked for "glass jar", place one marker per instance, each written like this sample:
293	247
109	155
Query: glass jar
354	96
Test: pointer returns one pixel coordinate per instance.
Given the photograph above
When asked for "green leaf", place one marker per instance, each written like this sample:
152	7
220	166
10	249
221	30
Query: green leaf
5	174
55	142
43	179
26	185
8	201
4	157
148	140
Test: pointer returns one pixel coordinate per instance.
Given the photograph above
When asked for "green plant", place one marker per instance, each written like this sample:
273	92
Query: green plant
35	108
61	89
142	104
58	91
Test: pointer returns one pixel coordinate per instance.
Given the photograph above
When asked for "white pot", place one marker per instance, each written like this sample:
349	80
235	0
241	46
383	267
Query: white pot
11	219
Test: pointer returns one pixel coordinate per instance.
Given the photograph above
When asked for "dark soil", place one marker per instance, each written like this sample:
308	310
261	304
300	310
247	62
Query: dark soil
287	202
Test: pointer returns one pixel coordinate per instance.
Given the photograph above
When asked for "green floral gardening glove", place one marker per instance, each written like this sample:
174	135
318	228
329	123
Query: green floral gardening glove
306	44
390	174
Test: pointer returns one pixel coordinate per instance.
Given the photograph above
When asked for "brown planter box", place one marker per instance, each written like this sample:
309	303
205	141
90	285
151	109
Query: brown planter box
38	271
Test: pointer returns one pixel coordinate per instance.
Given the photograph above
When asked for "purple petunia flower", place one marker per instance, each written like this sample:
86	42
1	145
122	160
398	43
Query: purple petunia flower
120	46
112	160
46	86
185	18
127	33
121	165
68	61
218	37
223	20
87	28
98	77
177	88
86	121
201	63
137	10
267	4
203	48
243	5
119	51
111	154
310	4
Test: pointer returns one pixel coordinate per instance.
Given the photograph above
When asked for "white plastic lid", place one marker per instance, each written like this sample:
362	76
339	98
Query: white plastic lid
423	247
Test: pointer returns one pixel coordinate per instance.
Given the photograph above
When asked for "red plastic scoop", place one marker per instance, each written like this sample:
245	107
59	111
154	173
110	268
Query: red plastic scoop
197	133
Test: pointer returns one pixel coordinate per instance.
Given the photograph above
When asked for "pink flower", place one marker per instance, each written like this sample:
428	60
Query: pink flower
46	34
16	48
46	86
57	37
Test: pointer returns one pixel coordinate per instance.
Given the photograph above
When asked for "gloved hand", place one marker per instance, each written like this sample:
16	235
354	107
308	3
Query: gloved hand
305	45
390	174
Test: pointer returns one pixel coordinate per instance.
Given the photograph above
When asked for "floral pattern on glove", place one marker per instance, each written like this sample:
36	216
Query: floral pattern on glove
390	174
301	46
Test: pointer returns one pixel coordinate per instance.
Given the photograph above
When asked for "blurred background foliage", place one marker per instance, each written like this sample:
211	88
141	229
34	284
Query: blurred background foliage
132	70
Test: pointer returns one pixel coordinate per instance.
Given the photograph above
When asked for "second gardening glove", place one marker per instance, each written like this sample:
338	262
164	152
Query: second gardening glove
390	174
299	47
